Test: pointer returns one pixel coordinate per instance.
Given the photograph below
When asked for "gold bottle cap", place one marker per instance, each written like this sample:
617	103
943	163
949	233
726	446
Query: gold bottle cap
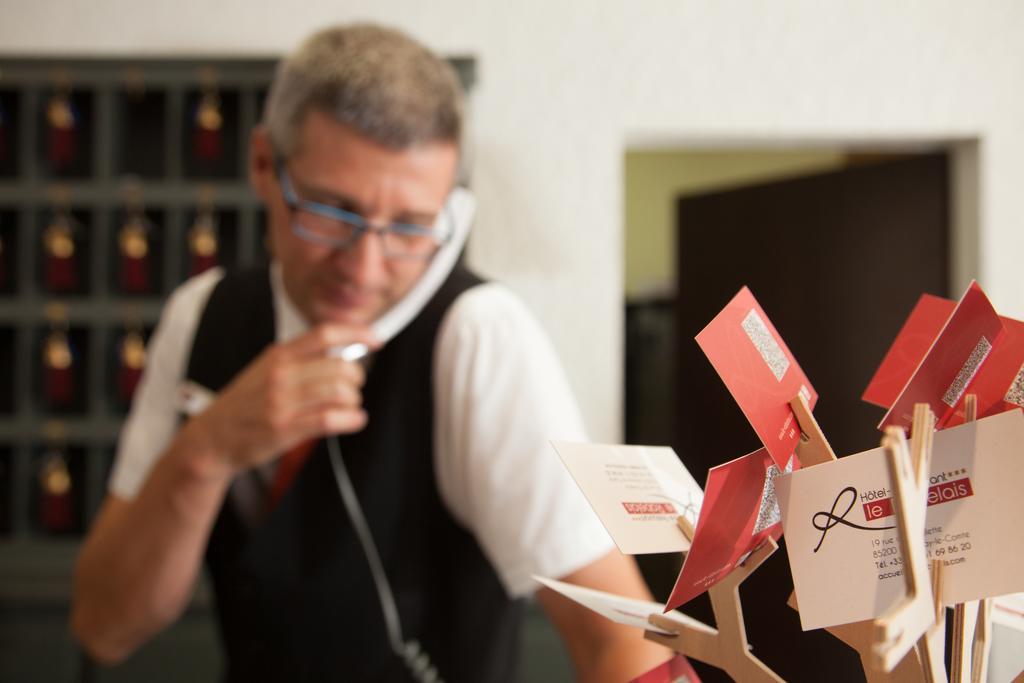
133	351
54	476
133	238
208	116
202	238
58	240
57	351
59	113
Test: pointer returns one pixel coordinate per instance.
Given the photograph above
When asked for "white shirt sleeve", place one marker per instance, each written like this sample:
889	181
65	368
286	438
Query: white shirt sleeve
501	396
153	418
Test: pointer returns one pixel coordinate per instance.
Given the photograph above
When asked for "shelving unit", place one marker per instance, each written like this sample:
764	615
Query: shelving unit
132	148
120	108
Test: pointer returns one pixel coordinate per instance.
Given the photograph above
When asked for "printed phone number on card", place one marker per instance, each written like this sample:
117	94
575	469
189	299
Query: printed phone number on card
950	549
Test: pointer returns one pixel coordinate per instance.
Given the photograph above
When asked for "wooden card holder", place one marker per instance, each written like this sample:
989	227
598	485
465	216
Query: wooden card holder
725	647
905	645
898	630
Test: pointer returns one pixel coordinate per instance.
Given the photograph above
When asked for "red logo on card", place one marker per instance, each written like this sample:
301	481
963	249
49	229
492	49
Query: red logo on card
949	491
943	492
649	508
877	509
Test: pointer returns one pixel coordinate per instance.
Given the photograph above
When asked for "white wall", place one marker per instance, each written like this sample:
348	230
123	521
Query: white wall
565	87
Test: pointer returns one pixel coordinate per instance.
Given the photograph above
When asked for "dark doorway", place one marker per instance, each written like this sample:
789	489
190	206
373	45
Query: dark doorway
837	261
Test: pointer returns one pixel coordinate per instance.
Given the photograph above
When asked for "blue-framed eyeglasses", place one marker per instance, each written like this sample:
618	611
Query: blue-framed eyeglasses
333	227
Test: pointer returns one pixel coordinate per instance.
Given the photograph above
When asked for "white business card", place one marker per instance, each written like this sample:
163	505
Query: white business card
626	611
638	492
839	523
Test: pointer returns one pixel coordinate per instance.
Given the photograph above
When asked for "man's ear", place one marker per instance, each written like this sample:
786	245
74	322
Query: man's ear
262	174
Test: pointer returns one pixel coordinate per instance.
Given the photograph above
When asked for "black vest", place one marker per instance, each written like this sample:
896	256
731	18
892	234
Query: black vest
295	597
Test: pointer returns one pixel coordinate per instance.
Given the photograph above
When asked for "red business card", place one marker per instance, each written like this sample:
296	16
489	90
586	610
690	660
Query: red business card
759	370
910	346
675	670
952	363
738	514
999	384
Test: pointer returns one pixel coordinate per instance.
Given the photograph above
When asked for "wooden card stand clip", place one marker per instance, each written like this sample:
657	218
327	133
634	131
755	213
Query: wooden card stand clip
899	630
972	626
725	647
883	643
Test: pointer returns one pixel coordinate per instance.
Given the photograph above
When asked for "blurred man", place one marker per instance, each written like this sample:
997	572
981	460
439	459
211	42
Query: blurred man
443	429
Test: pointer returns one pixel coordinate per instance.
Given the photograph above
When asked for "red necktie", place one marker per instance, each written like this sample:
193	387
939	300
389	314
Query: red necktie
287	469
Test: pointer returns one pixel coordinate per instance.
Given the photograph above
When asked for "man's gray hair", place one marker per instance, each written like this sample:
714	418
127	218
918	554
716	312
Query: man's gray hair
376	80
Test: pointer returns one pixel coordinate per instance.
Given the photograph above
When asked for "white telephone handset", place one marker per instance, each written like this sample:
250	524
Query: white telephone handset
460	207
